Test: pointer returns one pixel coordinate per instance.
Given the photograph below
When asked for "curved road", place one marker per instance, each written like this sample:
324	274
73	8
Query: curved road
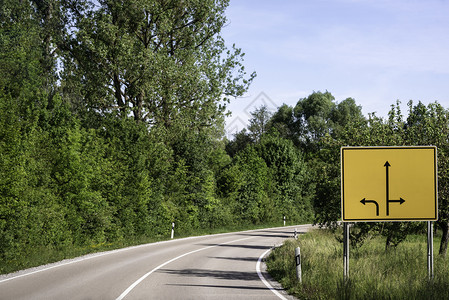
223	266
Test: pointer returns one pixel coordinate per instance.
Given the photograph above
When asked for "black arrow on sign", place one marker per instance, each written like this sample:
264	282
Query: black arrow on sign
387	165
364	201
400	200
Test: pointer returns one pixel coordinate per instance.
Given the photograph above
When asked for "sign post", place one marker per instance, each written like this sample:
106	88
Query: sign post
346	251
430	249
389	184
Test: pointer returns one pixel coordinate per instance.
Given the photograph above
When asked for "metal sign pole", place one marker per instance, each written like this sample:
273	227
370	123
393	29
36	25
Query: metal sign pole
430	249
346	251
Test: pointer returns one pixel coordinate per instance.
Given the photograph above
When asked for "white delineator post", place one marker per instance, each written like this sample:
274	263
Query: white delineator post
172	230
284	220
298	263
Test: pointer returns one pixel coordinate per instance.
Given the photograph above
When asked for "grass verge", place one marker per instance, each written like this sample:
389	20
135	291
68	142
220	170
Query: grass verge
400	273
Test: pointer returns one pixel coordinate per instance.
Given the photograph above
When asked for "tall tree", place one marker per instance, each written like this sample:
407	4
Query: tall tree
162	61
313	116
20	50
284	122
291	188
258	124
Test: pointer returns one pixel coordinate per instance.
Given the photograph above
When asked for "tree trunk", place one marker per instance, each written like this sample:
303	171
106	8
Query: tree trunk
138	108
444	238
388	243
118	95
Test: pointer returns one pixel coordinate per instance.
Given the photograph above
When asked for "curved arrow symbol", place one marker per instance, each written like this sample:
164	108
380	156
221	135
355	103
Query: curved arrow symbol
364	201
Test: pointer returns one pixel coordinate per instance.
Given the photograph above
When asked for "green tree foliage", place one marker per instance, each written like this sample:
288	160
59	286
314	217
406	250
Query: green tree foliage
284	122
429	125
252	198
12	164
23	218
112	121
373	132
313	115
162	61
320	126
258	124
239	143
268	180
315	125
424	125
290	183
313	118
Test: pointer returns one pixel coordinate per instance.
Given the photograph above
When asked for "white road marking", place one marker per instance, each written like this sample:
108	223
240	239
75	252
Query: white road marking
268	285
90	256
132	286
57	265
8	277
78	259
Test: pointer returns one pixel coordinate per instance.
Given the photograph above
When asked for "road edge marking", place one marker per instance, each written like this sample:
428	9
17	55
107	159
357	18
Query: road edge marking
132	286
38	269
262	278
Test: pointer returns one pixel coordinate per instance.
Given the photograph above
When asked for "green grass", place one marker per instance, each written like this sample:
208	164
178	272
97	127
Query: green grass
400	273
44	255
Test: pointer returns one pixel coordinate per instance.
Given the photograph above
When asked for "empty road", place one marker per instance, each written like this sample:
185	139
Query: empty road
223	266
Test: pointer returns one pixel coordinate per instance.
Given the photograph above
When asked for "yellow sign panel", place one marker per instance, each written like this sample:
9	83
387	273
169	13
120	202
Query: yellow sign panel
389	183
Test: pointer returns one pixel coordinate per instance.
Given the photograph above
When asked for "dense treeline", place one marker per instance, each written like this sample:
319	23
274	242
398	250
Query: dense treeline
112	125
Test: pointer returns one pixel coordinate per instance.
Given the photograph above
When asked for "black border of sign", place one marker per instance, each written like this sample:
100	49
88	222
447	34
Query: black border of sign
390	148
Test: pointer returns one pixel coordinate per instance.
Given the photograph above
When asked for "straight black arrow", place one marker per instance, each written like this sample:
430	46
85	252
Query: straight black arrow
364	201
387	165
400	201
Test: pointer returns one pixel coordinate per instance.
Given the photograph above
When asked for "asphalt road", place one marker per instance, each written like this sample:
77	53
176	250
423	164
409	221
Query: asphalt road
224	266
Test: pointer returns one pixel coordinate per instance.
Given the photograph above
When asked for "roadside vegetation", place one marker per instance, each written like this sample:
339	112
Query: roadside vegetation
374	273
112	126
47	255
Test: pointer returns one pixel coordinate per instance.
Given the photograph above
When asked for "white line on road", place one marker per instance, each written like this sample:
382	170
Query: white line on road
268	285
56	265
19	274
132	286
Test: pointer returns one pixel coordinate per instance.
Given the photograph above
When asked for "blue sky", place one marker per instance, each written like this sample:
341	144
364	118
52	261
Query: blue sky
375	51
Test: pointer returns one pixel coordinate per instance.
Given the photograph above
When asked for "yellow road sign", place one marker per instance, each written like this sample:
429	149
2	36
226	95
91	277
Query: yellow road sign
389	183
